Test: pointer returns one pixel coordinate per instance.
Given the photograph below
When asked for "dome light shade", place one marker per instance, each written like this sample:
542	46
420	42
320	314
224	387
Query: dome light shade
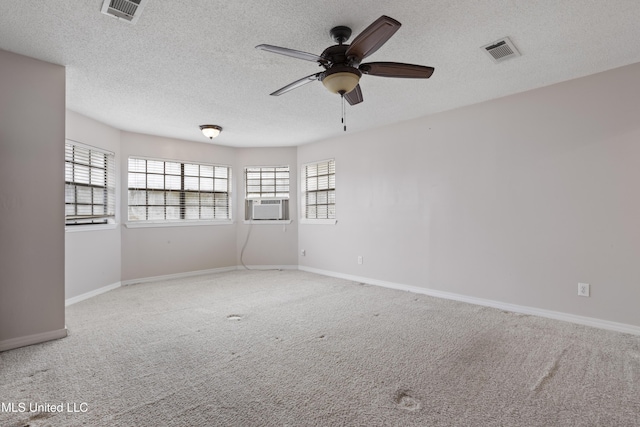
210	131
341	80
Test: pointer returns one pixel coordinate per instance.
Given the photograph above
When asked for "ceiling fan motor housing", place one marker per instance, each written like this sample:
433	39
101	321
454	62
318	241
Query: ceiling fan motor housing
335	54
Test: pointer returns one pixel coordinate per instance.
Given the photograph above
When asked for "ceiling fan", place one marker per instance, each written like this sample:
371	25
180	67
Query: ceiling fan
343	65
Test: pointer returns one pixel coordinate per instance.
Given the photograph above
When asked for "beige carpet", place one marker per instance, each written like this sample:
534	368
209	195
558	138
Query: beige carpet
289	348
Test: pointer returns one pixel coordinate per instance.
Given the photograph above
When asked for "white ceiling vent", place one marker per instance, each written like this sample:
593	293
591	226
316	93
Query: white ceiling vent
501	50
128	10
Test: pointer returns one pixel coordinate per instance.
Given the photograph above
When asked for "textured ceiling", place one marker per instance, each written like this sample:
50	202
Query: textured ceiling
186	63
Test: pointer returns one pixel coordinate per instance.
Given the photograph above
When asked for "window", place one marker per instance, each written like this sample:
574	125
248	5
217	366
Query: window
89	185
319	190
167	191
266	182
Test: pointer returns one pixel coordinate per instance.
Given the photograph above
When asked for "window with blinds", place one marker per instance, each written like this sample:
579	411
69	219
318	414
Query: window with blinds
166	191
89	185
266	182
319	190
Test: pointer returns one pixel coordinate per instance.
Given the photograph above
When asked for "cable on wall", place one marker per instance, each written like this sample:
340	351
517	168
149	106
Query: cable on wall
244	246
246	240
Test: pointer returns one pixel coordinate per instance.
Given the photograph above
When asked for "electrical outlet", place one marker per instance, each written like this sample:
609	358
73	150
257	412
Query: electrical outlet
359	259
583	289
303	252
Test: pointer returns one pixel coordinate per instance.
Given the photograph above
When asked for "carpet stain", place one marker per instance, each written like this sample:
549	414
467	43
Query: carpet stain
41	371
234	317
406	401
40	415
321	337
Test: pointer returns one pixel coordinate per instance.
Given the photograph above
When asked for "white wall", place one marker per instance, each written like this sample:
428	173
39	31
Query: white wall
158	251
514	200
92	256
268	244
32	129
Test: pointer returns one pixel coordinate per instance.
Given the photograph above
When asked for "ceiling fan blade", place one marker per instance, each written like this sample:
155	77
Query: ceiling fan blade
355	96
296	84
373	37
396	69
292	53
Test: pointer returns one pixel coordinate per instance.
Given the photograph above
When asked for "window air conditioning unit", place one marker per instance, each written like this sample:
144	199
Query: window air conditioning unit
266	209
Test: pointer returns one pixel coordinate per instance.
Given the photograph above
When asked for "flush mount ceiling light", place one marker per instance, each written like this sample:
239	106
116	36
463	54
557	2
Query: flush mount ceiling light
210	131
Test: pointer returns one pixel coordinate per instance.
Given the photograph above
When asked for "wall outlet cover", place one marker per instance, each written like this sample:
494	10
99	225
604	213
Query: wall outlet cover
583	289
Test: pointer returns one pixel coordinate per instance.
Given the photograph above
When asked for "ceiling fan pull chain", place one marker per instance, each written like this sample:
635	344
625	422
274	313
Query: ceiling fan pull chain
344	119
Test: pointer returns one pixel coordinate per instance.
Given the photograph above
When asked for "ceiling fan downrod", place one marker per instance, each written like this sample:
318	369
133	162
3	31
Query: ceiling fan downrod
340	34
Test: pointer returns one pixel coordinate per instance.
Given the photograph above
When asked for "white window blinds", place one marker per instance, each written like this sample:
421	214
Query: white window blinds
89	185
319	190
162	190
267	182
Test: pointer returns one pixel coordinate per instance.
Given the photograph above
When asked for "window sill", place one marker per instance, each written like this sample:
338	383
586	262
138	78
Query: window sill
318	221
151	224
89	227
268	221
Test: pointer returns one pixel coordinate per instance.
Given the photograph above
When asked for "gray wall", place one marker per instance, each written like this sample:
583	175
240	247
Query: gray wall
93	257
96	259
32	132
157	251
514	200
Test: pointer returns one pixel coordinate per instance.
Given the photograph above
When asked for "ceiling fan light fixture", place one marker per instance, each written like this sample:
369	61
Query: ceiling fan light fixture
341	80
210	131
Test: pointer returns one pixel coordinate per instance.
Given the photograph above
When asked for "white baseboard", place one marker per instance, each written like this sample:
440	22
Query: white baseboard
268	267
178	275
93	293
566	317
108	288
18	342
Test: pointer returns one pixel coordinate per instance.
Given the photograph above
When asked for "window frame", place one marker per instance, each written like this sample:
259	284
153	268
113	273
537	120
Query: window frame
107	187
180	193
304	181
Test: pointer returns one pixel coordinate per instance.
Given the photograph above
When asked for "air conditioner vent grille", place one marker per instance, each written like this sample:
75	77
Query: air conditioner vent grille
269	209
501	50
128	10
